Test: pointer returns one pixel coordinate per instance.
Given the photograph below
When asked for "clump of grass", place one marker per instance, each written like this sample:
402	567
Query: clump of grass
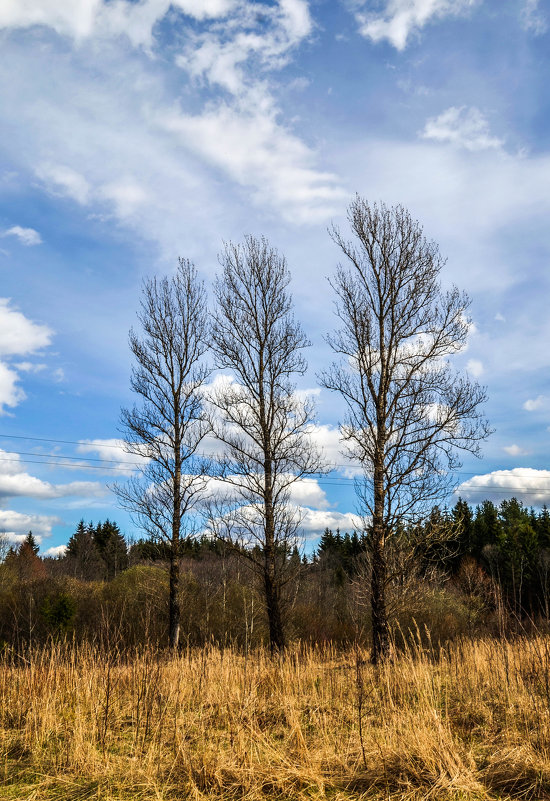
469	722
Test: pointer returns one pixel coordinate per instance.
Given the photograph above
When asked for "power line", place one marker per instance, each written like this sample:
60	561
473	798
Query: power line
335	482
53	460
333	466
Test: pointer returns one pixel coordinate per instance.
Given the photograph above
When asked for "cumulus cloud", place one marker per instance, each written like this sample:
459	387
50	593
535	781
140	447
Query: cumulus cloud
514	450
14	483
11	394
27	236
464	127
307	492
19	336
475	367
16	525
528	484
532	404
55	551
401	18
314	521
328	440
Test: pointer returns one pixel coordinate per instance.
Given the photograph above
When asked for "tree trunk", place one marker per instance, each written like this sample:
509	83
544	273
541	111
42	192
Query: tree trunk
174	606
273	606
174	611
380	633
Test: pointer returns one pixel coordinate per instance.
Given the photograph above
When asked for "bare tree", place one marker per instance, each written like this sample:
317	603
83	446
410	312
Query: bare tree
169	425
408	411
264	425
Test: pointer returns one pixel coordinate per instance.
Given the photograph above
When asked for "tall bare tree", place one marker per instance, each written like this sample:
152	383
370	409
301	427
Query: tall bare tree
169	425
264	425
408	411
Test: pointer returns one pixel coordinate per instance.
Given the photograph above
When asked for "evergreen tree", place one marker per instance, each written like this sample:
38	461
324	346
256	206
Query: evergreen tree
82	556
112	548
464	520
31	542
487	528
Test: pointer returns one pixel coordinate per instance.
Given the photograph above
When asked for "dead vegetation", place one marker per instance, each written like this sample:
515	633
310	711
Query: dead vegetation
471	721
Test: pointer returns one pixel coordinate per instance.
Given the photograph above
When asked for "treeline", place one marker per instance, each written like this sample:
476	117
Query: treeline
462	570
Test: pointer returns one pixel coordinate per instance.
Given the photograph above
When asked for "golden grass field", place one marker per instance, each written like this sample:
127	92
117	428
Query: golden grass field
469	722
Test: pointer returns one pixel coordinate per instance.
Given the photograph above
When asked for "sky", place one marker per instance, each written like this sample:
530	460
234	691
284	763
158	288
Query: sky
135	132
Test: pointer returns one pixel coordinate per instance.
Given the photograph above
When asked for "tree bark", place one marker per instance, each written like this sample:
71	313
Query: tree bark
273	605
379	617
174	606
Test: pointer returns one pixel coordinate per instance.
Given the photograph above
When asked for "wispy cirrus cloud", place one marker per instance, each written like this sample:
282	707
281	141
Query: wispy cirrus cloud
27	236
533	18
135	154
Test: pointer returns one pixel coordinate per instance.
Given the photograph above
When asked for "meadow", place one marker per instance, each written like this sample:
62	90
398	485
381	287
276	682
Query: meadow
470	721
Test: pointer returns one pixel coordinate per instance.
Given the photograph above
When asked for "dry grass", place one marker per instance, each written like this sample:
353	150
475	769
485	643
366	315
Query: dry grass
471	722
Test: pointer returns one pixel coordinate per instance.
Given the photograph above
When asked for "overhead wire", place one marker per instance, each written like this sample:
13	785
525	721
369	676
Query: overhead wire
91	443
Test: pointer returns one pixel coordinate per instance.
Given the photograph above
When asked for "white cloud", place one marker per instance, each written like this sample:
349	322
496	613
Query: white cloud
462	126
144	153
55	551
527	484
533	404
532	18
10	393
63	180
30	367
314	522
475	367
112	452
126	195
263	34
15	483
328	439
85	18
16	525
256	151
18	335
27	236
401	18
73	17
296	18
307	492
514	450
27	486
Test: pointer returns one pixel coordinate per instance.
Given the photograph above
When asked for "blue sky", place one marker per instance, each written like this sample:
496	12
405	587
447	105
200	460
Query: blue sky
132	133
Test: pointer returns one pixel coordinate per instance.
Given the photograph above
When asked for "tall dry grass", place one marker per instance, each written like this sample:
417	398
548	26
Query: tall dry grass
469	722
